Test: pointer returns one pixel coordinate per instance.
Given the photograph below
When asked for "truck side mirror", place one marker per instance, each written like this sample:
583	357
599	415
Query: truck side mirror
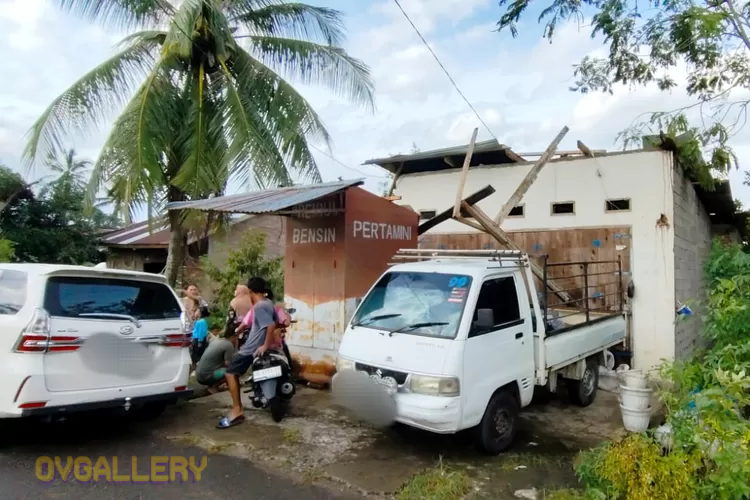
485	319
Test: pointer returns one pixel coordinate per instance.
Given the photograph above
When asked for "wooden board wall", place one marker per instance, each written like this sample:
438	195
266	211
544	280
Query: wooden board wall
563	245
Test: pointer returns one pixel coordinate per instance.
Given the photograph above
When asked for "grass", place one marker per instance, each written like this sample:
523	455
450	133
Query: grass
292	436
509	462
437	483
563	494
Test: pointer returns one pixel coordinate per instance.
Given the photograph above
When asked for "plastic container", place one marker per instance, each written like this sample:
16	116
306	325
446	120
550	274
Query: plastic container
609	360
635	398
635	420
634	379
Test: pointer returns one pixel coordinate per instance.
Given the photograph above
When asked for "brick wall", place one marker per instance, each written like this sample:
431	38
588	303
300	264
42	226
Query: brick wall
692	244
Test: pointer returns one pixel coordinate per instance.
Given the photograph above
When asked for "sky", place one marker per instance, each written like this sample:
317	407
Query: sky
518	86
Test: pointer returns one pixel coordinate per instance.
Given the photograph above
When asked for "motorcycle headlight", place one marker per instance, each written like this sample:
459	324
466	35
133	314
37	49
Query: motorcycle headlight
434	386
344	364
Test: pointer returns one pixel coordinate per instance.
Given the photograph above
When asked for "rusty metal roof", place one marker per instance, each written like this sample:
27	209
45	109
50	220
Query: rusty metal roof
267	202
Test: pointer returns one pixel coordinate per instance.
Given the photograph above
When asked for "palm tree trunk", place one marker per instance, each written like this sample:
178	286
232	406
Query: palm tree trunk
176	239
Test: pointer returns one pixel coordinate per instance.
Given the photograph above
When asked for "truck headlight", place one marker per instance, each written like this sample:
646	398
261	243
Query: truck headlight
434	386
344	364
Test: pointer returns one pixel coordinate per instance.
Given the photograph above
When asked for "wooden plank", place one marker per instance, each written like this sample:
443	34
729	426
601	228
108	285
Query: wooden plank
530	178
501	236
447	214
584	149
395	178
464	173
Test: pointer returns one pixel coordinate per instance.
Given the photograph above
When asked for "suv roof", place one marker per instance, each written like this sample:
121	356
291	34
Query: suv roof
44	269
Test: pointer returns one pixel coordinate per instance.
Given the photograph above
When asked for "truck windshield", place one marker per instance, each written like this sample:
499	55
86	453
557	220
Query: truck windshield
402	299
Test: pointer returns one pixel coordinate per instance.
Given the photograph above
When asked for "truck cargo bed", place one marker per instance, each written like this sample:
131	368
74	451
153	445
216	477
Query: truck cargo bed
583	341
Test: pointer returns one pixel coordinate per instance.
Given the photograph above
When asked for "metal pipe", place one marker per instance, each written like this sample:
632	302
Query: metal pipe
586	289
619	281
544	289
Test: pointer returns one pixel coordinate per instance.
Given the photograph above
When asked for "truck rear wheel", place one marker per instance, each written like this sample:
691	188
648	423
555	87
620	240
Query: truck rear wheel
497	429
583	392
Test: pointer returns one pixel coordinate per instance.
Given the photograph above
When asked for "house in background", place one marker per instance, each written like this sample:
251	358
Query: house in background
143	246
636	206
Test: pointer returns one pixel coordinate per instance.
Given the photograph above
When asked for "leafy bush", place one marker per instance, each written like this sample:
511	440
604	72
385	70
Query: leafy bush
708	456
7	250
245	261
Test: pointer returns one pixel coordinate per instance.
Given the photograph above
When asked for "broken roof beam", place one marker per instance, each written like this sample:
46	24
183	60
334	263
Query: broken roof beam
584	149
464	173
515	198
447	214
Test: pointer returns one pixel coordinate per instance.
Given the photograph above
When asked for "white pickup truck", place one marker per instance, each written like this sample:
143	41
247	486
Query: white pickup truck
460	340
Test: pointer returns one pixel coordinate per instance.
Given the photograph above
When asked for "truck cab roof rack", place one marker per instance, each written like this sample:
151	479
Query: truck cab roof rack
422	254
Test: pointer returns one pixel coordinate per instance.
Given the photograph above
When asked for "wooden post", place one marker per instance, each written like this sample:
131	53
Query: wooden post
464	172
395	178
530	178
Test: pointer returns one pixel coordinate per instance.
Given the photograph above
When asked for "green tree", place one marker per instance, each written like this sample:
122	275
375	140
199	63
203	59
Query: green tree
246	261
51	226
646	42
210	99
70	170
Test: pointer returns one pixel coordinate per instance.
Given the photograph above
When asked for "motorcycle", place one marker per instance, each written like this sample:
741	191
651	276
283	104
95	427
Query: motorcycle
273	386
273	380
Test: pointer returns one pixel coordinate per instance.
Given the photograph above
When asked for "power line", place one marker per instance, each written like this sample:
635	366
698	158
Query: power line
345	165
444	69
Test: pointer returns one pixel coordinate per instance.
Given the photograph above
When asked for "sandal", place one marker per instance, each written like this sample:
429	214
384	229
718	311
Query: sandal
226	423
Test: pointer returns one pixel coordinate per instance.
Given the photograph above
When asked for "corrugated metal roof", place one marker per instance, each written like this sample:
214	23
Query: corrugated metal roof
265	202
479	147
155	233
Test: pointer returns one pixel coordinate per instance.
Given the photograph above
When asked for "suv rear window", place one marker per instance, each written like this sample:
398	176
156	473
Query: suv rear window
72	297
12	291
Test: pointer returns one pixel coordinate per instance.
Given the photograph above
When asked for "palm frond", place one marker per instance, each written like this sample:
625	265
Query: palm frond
294	20
285	113
252	147
132	162
89	101
120	13
316	64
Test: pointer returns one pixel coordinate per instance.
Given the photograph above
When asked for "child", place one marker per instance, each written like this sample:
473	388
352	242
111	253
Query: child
200	333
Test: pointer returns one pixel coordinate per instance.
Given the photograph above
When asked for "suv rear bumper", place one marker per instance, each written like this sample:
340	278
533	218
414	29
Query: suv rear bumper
122	403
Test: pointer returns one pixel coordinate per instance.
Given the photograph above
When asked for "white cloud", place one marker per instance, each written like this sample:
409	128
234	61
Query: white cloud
520	87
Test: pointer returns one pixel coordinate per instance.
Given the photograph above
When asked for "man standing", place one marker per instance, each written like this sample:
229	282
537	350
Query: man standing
263	336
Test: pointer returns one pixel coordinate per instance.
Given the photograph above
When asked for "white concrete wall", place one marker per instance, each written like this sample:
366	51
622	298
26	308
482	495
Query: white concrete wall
644	177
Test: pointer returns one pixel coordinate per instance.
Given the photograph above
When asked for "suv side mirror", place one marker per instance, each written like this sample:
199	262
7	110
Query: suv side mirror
485	319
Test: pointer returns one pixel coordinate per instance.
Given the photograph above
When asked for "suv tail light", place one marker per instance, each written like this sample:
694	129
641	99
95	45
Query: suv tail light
177	340
36	336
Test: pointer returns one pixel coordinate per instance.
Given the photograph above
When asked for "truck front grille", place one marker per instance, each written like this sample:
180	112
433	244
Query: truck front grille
400	377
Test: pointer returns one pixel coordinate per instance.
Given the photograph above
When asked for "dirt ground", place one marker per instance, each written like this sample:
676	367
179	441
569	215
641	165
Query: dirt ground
321	444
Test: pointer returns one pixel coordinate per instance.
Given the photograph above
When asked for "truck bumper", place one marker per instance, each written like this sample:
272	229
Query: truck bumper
432	413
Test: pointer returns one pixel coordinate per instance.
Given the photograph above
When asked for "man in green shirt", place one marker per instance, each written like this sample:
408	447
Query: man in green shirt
212	365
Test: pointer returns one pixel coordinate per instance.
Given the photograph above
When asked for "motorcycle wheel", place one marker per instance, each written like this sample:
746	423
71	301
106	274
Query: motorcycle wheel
277	409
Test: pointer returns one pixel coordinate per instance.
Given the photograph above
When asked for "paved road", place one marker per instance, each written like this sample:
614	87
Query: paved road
223	478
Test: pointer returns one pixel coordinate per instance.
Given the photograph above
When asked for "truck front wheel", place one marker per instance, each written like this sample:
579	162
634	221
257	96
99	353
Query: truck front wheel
497	429
583	392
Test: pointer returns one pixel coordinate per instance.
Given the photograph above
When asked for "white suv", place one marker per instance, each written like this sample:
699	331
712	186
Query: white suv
80	338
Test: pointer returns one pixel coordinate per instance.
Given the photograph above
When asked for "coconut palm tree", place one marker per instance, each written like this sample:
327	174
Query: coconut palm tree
203	97
69	170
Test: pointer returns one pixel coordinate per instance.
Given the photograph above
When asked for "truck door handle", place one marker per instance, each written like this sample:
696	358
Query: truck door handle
519	335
